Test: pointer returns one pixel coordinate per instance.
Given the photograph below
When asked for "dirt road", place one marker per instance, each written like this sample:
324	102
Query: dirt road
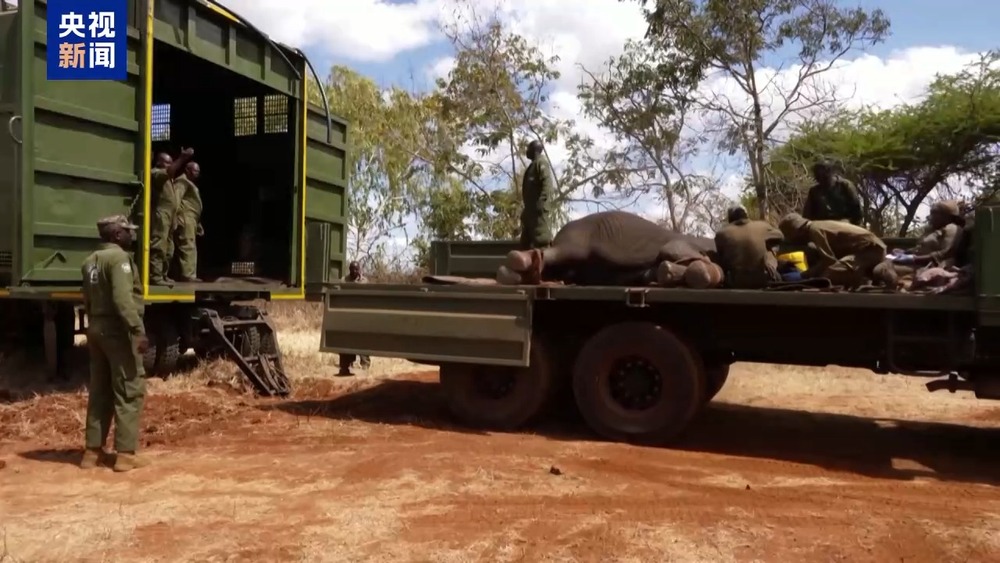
786	465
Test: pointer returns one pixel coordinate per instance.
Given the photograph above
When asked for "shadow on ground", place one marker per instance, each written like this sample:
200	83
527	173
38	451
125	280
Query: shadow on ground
884	448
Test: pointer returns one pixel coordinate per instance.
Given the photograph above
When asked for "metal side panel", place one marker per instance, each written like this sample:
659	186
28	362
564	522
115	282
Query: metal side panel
452	325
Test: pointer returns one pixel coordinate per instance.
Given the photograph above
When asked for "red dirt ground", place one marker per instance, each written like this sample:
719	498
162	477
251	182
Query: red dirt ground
374	469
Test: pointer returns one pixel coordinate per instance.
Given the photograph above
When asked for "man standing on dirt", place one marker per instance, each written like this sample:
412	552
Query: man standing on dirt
188	222
745	251
538	190
116	339
354	275
832	198
166	201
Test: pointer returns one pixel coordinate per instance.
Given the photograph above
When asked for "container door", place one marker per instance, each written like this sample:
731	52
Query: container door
326	200
83	152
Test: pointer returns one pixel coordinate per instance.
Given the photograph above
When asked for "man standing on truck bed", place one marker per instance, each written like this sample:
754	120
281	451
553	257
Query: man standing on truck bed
832	198
166	201
847	255
745	251
538	190
354	275
188	222
116	339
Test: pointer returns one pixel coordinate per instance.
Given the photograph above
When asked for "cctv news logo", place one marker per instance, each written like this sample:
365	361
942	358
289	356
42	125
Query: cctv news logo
86	40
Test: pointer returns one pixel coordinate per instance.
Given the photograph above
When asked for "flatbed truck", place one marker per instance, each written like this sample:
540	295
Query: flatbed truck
641	362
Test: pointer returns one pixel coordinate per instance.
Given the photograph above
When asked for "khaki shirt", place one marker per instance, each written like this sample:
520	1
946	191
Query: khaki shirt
839	202
190	202
744	252
361	279
940	244
834	240
166	192
112	290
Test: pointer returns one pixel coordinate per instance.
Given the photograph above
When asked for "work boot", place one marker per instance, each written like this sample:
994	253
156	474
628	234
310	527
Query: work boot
191	280
128	461
91	458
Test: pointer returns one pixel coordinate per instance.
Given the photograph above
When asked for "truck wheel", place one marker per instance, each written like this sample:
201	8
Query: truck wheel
497	397
164	348
715	380
637	382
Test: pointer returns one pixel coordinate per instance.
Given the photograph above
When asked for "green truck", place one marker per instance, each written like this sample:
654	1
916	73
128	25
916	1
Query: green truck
642	361
274	179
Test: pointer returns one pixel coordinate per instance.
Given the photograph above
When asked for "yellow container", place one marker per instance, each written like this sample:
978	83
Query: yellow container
798	258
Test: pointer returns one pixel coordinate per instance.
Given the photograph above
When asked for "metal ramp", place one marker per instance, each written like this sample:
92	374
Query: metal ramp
253	345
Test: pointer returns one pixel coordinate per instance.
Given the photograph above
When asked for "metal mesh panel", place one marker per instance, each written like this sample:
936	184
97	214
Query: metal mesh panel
243	268
160	127
245	117
276	113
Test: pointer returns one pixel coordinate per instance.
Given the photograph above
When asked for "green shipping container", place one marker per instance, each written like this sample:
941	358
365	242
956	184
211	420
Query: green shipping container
274	168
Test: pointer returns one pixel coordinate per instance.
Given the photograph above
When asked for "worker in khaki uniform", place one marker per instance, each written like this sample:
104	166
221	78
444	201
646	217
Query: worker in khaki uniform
938	245
846	254
354	275
538	190
745	251
166	201
116	339
832	198
189	223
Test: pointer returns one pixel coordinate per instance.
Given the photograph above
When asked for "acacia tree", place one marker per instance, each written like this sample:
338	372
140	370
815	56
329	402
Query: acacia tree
388	175
946	145
729	41
654	147
494	99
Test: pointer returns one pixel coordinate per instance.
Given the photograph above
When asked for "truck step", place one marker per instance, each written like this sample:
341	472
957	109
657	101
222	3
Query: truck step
258	358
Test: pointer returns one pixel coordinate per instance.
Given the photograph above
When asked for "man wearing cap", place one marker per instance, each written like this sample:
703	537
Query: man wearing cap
116	339
832	198
846	254
745	251
166	201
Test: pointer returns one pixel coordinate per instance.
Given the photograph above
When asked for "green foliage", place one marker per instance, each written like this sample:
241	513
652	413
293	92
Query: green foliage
947	143
702	39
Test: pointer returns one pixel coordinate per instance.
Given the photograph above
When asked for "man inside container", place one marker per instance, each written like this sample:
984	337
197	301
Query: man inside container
846	254
745	250
832	198
188	223
354	275
166	198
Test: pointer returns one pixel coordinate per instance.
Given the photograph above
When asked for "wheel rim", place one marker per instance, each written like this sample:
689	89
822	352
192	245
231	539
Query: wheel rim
495	384
635	384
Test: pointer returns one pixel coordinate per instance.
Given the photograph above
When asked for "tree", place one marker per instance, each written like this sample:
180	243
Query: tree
389	175
648	118
705	40
494	100
945	145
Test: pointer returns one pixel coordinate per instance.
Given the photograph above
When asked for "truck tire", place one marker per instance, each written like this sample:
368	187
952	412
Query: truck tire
637	382
164	348
497	397
715	380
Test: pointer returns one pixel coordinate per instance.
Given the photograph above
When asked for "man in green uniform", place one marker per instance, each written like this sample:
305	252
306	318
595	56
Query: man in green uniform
116	339
833	198
538	189
745	251
847	255
166	201
189	222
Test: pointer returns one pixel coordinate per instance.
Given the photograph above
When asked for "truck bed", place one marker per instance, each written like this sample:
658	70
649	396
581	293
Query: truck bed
493	324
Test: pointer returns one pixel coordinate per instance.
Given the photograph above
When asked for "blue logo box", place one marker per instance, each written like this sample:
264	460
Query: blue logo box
86	40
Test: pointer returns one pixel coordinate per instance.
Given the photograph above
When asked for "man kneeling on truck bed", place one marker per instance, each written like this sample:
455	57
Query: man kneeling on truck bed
745	251
848	255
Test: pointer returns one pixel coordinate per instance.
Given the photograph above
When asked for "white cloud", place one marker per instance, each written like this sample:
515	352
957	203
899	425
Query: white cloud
584	34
